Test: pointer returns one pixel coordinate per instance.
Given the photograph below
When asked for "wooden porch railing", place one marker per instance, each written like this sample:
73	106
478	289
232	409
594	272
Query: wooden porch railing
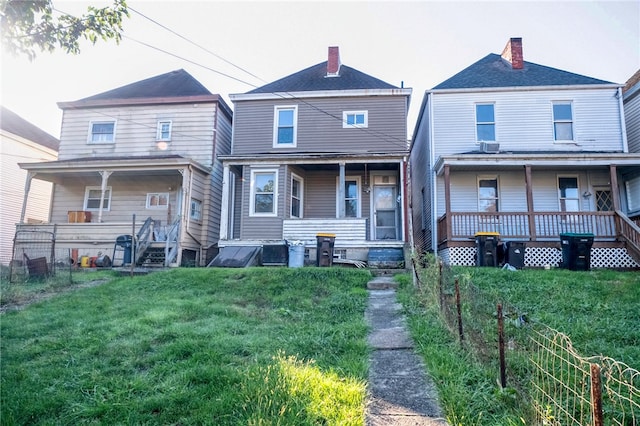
630	233
536	226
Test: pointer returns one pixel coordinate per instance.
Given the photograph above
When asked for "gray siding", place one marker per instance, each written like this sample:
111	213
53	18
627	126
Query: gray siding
632	120
320	125
420	176
268	228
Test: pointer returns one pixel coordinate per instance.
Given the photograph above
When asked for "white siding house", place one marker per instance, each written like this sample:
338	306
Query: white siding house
20	142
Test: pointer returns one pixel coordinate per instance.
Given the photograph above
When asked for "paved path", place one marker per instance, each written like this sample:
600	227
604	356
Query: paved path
400	392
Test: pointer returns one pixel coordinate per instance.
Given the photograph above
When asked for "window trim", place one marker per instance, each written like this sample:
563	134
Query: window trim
554	121
300	198
346	114
113	134
159	137
577	198
197	218
159	195
493	123
359	185
87	189
497	198
276	126
252	193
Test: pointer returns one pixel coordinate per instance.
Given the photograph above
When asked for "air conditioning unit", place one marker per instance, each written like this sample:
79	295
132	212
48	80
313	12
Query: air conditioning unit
490	147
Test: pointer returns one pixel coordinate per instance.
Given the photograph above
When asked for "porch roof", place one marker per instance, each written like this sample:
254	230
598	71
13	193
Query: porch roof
505	160
313	158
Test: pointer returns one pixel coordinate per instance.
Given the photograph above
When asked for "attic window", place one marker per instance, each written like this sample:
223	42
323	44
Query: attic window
355	119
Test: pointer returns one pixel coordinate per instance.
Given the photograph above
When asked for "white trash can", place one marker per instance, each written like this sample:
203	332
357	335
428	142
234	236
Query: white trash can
296	254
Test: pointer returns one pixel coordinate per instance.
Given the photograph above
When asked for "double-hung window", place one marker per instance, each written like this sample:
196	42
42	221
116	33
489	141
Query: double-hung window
92	196
485	123
562	121
102	131
285	126
195	212
163	132
264	194
351	200
488	200
355	119
297	188
158	200
568	194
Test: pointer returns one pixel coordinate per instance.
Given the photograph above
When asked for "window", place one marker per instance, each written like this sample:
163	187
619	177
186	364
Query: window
195	212
102	132
297	187
164	131
488	200
633	194
485	123
158	200
92	198
568	194
351	197
284	132
263	193
355	119
562	121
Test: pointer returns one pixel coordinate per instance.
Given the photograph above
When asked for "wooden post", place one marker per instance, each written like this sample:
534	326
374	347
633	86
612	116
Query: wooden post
530	212
615	192
596	396
447	201
440	286
341	192
503	369
133	244
459	308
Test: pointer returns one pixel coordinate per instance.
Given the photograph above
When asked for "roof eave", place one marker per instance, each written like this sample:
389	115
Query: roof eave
139	101
527	88
320	94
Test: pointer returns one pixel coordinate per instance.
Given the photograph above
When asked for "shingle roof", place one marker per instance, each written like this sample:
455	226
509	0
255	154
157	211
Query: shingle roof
13	123
315	78
493	71
176	83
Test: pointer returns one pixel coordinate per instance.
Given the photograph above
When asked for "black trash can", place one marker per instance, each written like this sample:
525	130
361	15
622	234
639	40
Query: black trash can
487	244
514	253
324	256
124	243
576	251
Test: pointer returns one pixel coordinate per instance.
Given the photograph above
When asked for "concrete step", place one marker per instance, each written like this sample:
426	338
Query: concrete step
382	283
387	272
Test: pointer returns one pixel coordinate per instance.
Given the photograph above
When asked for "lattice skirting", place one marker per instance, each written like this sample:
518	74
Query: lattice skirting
538	257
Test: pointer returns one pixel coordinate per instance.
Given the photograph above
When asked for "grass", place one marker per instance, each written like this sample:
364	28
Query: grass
597	309
261	346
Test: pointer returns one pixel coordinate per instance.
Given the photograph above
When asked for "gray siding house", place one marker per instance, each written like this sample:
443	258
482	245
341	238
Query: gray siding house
321	150
148	149
631	179
526	151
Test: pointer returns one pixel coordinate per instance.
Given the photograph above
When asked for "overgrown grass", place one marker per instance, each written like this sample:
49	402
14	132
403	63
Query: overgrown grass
597	309
259	346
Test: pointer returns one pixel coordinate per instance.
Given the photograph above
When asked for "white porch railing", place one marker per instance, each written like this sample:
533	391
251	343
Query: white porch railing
347	230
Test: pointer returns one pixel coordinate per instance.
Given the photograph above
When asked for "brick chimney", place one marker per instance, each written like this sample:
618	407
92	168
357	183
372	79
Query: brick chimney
512	53
333	63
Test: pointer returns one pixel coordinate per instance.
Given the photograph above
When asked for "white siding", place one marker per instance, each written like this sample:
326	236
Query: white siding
524	120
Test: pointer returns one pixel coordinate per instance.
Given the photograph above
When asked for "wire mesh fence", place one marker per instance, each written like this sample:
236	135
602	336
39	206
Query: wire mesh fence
564	387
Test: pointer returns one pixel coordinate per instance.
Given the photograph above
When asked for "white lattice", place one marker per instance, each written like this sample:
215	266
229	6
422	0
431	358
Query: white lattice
538	257
461	256
612	257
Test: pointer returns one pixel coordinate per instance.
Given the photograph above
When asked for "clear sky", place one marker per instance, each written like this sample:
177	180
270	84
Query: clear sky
418	43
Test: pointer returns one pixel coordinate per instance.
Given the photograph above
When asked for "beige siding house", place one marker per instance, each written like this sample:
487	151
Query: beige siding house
323	150
21	142
529	153
149	151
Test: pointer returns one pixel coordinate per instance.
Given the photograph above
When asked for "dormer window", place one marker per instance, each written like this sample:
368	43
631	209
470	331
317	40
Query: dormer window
284	128
355	119
164	131
102	131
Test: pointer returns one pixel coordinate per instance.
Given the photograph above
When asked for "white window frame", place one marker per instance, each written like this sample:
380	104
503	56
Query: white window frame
563	121
90	135
484	123
195	209
300	198
107	198
338	201
560	198
633	194
276	126
159	195
346	114
159	131
497	197
252	197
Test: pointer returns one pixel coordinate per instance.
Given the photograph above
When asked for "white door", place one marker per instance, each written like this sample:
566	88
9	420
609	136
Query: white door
385	212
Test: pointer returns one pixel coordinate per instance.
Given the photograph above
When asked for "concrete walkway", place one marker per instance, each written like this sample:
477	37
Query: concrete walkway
400	392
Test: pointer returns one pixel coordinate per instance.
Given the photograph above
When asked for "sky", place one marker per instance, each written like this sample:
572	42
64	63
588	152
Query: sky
234	46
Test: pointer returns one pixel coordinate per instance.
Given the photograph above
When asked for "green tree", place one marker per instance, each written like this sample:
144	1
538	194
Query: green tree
28	25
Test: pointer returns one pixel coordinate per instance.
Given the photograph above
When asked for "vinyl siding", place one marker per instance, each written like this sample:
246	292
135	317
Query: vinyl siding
268	228
319	125
524	120
420	176
135	131
632	120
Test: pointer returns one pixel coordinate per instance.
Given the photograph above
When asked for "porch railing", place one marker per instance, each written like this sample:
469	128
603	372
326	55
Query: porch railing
630	233
171	246
536	226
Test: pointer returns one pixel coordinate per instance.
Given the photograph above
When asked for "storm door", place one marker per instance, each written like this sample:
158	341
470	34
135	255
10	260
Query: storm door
385	211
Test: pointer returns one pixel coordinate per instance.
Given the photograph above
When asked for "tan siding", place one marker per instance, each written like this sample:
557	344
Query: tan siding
320	125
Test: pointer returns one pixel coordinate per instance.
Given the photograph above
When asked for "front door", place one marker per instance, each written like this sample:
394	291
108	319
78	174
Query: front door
385	212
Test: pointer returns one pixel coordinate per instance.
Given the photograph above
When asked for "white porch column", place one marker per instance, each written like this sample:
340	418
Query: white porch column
103	188
224	204
27	188
341	195
184	209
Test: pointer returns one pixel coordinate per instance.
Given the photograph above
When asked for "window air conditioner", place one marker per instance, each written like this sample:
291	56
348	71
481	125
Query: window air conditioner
490	147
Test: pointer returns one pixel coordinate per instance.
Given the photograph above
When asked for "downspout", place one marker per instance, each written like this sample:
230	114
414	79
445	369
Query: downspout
27	188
